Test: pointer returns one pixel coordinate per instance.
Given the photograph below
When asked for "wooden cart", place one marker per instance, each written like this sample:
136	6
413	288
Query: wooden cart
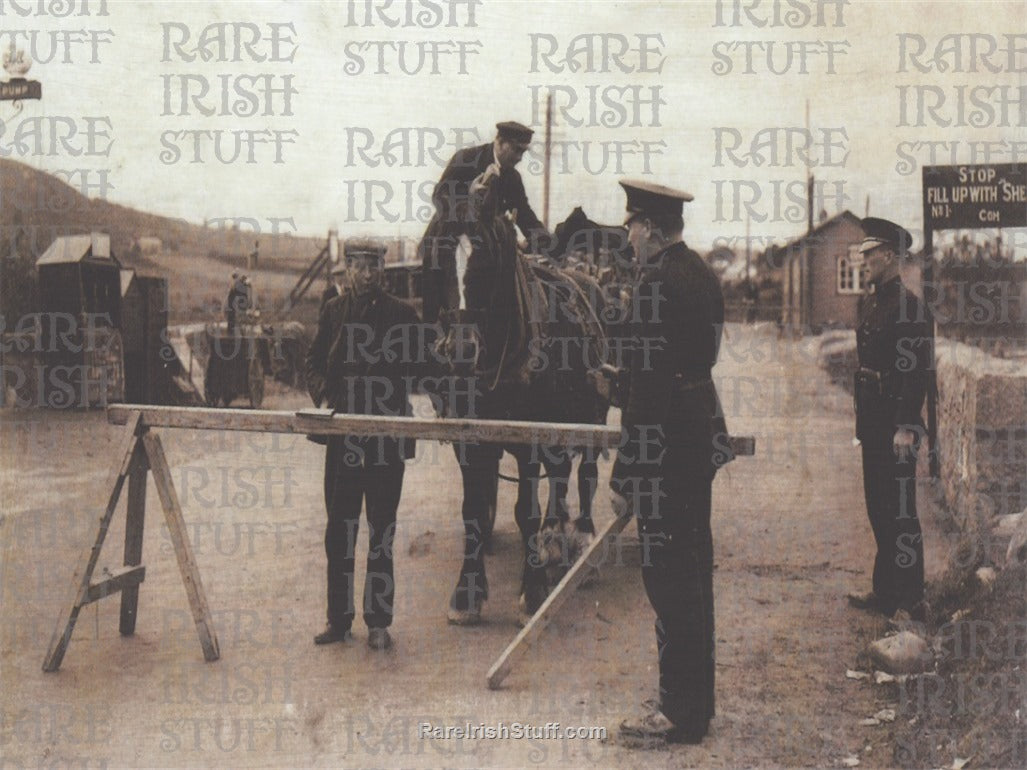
236	365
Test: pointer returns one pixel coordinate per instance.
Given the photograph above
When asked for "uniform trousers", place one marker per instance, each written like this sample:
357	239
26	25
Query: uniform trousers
352	478
889	485
677	570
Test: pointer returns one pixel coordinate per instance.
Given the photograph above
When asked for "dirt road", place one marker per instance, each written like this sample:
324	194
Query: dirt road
790	533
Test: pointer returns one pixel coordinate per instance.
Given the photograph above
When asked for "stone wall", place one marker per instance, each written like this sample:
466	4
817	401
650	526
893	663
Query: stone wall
982	426
982	433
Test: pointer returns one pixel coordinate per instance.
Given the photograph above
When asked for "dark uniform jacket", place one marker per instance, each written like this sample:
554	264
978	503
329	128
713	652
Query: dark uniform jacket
455	216
893	346
330	292
679	309
350	370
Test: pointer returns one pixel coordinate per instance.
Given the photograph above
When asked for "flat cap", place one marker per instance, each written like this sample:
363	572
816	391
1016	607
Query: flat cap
880	231
650	198
364	248
513	131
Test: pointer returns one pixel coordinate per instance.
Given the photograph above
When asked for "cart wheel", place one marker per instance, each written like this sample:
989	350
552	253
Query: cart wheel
256	382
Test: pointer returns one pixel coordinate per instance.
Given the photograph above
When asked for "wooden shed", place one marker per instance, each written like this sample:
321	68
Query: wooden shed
823	275
80	321
144	310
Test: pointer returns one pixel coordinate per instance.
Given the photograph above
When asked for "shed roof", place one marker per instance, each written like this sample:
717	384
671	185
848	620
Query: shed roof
126	280
815	235
69	249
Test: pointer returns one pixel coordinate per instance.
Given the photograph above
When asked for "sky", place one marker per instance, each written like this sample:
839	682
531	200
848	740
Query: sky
868	104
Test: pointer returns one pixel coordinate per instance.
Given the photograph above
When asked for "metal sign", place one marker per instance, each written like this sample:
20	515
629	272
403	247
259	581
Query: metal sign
993	195
18	88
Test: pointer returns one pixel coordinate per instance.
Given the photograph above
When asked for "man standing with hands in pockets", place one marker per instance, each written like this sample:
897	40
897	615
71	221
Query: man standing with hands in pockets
348	370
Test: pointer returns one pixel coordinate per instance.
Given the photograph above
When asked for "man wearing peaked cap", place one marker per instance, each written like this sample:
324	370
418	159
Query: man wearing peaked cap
648	198
671	396
354	248
469	172
364	248
348	371
512	131
877	232
894	348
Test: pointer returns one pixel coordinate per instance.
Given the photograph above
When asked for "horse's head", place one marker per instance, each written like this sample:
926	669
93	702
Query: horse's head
460	344
602	245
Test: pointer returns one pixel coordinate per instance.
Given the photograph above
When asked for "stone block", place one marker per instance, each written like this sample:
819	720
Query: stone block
903	653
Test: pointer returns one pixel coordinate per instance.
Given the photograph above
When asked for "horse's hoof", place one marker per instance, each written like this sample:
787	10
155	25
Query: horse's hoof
553	545
523	615
579	543
463	617
591	576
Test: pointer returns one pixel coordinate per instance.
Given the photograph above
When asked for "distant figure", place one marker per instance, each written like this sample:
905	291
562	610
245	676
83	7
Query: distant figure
239	302
251	263
752	300
235	290
247	303
336	283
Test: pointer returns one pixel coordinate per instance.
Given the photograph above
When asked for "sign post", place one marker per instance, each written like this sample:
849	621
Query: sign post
967	197
16	65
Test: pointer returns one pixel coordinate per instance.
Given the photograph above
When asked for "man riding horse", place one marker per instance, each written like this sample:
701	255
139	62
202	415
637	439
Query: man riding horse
508	315
466	175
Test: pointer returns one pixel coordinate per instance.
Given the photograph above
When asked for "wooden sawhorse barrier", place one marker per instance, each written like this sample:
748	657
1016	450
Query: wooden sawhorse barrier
140	451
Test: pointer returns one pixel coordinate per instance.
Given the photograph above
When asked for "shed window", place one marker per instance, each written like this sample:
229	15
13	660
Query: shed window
851	272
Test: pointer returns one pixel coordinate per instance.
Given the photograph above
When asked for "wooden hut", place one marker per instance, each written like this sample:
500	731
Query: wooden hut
144	311
80	318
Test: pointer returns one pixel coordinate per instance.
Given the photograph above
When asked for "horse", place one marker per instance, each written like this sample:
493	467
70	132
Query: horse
516	342
598	253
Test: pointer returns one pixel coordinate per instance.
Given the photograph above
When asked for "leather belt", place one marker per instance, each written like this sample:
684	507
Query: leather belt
870	372
683	384
872	377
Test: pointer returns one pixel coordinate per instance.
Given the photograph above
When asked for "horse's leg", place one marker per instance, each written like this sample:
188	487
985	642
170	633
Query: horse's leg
477	462
534	586
584	530
557	462
561	542
588	483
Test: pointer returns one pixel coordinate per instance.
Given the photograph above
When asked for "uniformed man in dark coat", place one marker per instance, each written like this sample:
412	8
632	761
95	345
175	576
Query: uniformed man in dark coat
675	442
350	371
469	172
893	344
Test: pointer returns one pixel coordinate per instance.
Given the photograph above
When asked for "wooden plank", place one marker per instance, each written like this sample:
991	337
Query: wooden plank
122	580
505	431
438	429
183	550
534	627
83	575
136	514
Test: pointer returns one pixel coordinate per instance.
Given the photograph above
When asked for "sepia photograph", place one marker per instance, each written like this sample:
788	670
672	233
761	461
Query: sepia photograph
513	383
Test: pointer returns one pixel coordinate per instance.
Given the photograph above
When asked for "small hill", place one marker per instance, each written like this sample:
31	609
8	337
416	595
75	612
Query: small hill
37	207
